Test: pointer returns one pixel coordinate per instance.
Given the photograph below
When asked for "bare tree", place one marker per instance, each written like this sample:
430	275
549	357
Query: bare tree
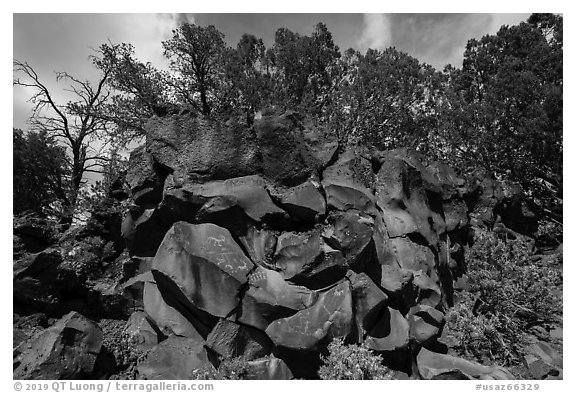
77	123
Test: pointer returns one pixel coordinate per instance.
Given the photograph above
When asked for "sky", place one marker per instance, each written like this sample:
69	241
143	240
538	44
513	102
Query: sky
64	42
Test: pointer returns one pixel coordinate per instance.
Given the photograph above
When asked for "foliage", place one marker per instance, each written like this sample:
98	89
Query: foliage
304	67
139	90
195	54
246	87
229	369
508	97
356	362
88	255
384	98
510	291
41	173
76	124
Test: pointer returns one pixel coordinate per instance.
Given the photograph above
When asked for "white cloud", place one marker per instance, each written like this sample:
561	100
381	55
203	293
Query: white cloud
147	31
376	32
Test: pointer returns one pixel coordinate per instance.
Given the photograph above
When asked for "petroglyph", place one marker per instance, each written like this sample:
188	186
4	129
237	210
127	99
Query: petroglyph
216	241
257	277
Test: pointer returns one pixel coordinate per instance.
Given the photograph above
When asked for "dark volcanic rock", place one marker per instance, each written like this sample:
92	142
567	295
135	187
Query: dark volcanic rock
395	281
33	232
433	365
270	297
173	358
329	317
232	340
145	178
248	192
406	205
67	350
425	324
143	231
304	203
410	255
348	182
291	152
200	149
141	331
297	253
168	319
368	301
259	243
272	238
203	263
268	368
351	233
38	265
391	332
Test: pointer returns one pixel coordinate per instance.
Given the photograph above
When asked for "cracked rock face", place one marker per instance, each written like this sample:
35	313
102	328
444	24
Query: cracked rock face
67	350
273	239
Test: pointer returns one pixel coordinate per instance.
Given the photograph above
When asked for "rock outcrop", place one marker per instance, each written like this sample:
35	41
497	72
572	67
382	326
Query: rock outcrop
268	242
67	350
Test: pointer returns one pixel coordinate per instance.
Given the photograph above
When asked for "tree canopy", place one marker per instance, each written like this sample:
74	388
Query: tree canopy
501	111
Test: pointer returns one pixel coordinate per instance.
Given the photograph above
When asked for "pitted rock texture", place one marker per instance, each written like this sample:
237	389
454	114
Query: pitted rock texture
67	350
275	240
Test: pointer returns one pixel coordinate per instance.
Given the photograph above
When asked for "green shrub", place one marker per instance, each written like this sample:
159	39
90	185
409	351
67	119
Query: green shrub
352	362
229	369
510	291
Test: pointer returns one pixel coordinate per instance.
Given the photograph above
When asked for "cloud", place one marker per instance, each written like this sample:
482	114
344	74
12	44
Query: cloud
376	32
147	31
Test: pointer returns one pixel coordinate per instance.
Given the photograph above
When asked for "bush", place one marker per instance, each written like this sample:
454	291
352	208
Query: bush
86	255
510	291
229	369
352	362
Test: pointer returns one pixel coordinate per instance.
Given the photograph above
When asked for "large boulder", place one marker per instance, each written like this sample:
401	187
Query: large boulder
248	193
297	253
232	340
425	324
66	350
348	182
145	178
291	151
267	368
351	232
432	365
143	231
40	265
142	331
204	264
401	192
368	301
305	203
390	333
174	358
329	317
270	297
167	317
201	149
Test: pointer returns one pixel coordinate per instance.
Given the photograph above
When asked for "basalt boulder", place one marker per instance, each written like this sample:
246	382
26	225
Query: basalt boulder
329	317
204	264
66	350
174	358
145	178
231	340
292	151
348	182
200	149
432	365
271	238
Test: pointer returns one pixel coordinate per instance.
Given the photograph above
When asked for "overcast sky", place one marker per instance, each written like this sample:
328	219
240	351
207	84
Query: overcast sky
63	42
